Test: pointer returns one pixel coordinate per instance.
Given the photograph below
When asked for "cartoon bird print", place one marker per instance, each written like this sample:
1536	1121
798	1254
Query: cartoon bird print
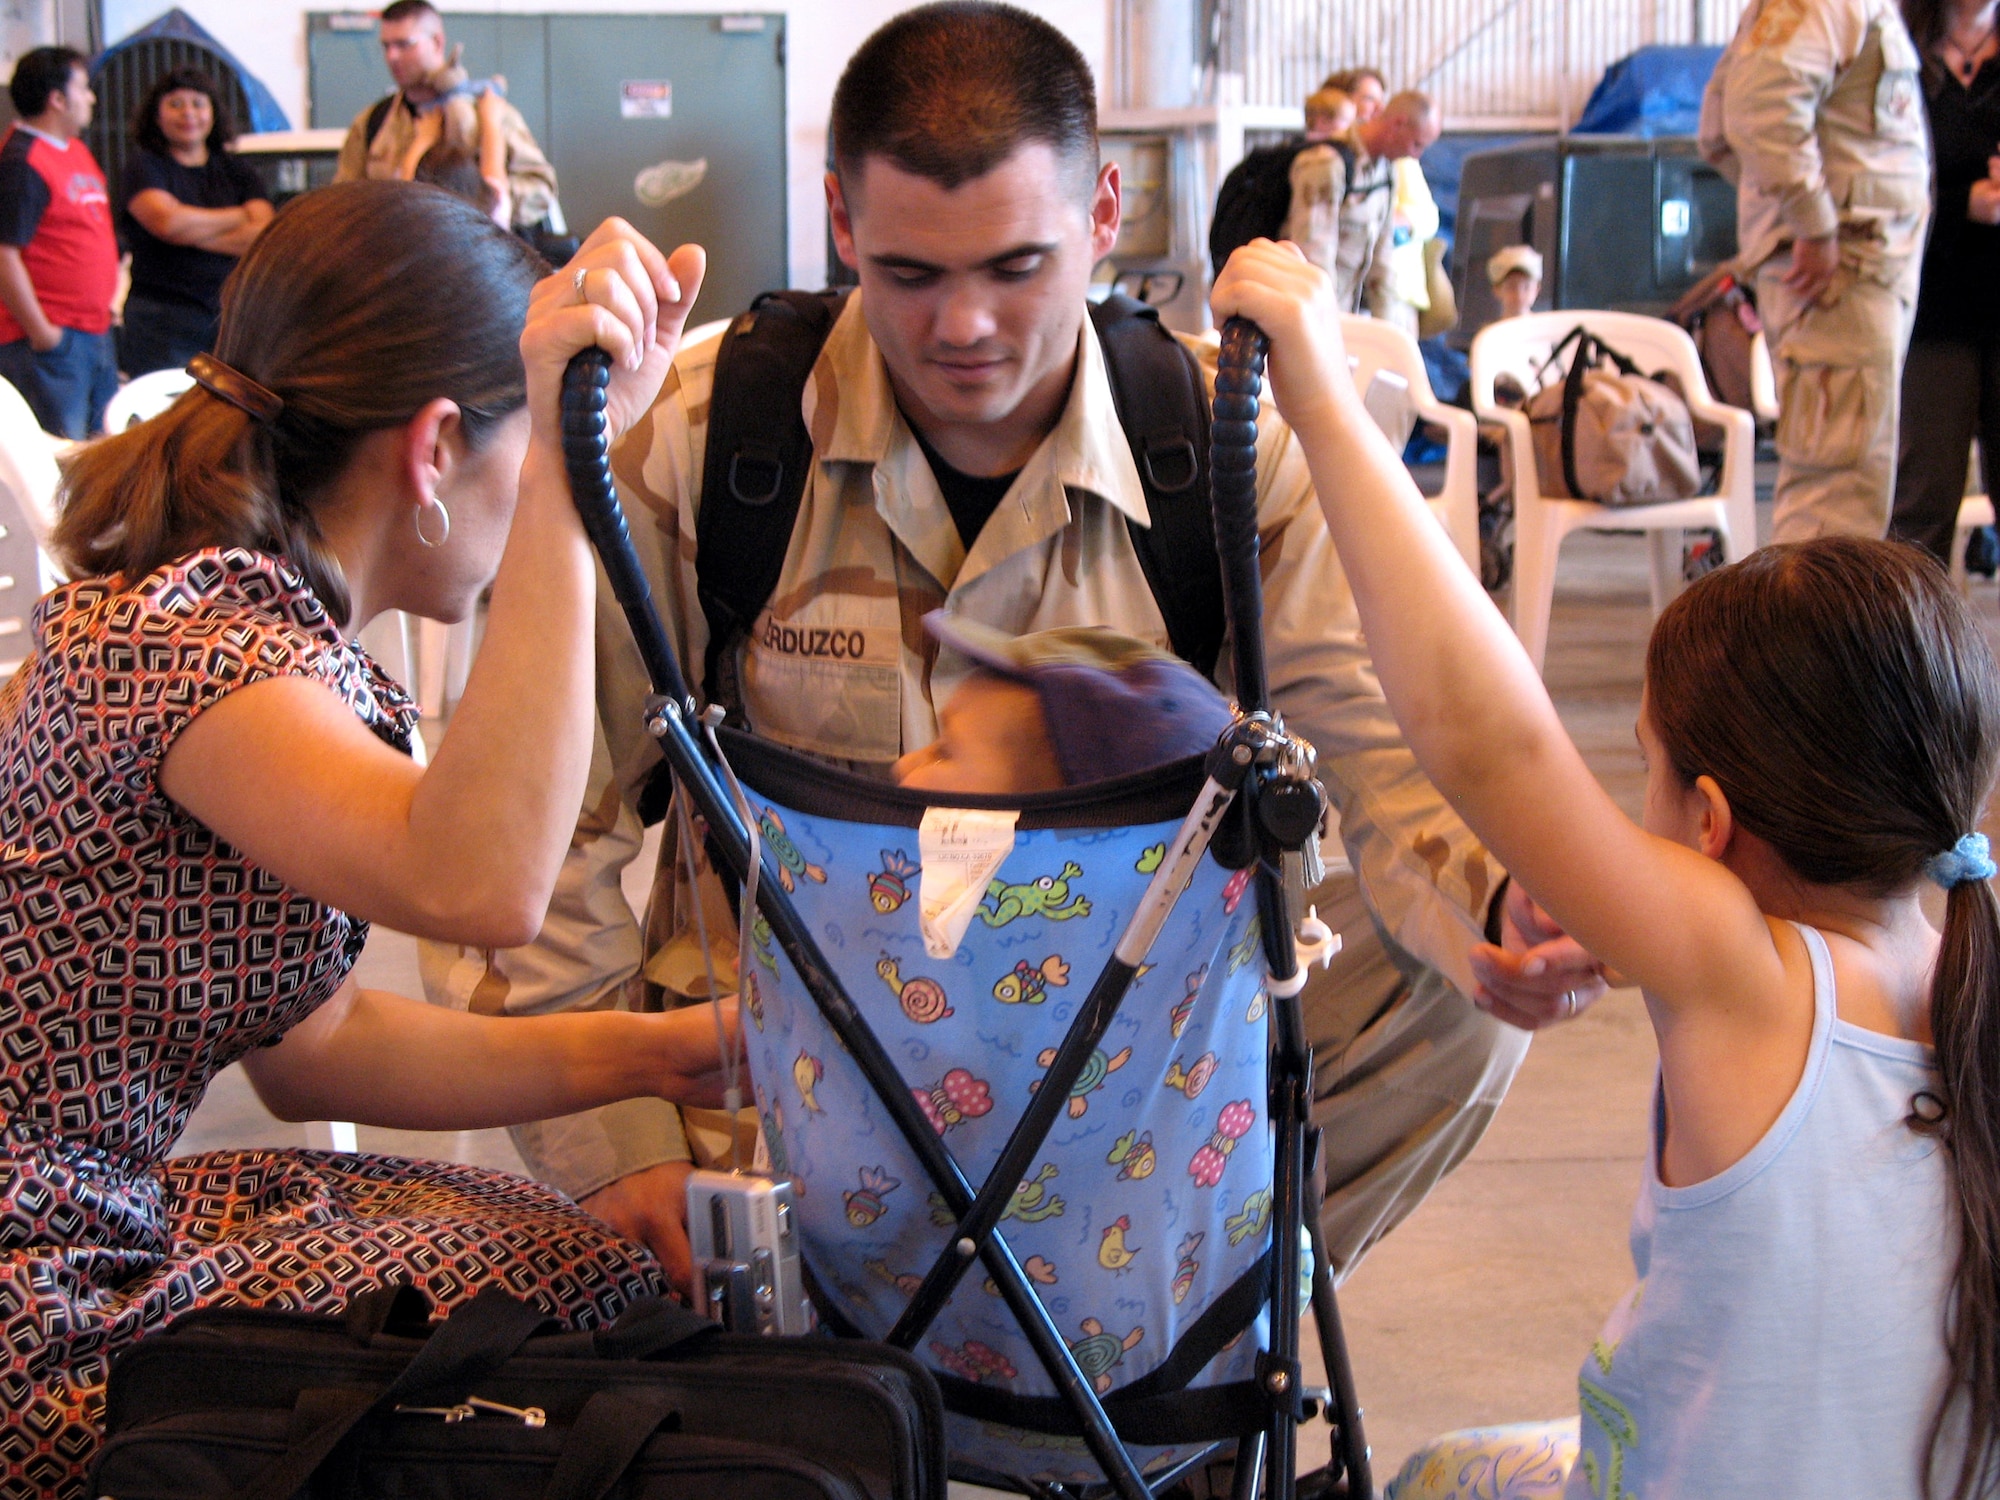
1047	897
889	887
791	863
1230	1127
1191	1081
1028	984
1185	1265
864	1204
1133	1155
1184	1007
806	1073
1099	1353
954	1099
922	999
1112	1252
1089	1081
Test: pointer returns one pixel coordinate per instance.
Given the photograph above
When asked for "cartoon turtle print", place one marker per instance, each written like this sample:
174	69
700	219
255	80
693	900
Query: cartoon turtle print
954	1099
864	1204
1230	1127
791	864
1089	1081
1099	1353
1132	1154
889	887
1185	1265
1047	897
1191	1081
922	999
1028	984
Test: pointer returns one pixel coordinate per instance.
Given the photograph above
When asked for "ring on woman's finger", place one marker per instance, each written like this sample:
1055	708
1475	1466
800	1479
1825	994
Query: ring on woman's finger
577	282
1569	1004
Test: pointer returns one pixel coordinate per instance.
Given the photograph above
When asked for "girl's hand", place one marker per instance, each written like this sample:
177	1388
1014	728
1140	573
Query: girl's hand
1291	299
620	294
694	1071
1983	205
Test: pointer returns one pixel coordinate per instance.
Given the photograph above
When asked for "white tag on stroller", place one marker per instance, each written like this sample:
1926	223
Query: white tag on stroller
961	850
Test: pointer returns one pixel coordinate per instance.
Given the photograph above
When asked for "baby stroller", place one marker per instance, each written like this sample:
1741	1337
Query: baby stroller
1053	1136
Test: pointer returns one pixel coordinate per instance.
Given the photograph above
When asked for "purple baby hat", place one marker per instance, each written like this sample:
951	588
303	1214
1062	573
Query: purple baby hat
1113	705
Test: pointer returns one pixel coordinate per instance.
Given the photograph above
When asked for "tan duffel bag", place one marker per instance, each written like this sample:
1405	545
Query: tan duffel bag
1606	433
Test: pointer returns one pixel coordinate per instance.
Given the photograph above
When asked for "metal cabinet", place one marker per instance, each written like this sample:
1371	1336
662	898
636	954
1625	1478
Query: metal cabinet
614	99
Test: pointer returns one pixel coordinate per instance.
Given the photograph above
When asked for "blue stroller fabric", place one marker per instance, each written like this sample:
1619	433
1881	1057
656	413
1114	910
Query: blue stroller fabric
1150	1203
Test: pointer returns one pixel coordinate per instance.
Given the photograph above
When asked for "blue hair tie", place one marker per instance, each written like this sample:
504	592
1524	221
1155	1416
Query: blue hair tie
1968	859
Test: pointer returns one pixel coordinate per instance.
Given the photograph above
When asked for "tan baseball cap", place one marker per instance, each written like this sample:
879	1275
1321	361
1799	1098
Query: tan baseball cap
1514	258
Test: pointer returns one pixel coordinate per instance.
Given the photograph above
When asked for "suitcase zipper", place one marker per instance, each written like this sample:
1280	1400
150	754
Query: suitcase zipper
472	1406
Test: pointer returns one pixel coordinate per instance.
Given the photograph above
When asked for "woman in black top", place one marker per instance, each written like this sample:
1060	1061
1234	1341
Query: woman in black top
191	208
1951	380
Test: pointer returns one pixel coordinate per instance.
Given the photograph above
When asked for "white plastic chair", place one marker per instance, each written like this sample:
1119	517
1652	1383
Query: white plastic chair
30	477
145	397
1519	346
1763	380
1378	351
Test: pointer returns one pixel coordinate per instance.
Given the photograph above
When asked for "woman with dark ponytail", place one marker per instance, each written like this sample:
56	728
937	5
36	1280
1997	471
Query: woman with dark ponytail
206	795
1818	1235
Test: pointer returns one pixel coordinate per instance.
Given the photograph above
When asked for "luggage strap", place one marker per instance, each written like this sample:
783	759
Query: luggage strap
1591	352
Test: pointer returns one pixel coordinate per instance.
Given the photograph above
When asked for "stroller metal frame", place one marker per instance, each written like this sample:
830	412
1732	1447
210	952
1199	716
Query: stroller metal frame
1259	807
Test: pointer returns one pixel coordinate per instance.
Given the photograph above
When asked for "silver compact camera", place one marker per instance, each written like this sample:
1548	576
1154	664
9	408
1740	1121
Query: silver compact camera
747	1272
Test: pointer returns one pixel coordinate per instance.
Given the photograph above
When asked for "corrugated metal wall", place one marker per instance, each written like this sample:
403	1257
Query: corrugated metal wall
1490	63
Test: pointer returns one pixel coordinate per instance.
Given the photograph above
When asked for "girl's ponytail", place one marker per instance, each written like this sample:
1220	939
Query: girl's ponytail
1965	1029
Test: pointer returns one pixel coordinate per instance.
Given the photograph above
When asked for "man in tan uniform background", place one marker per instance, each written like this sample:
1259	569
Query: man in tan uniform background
965	365
435	102
1815	111
1345	221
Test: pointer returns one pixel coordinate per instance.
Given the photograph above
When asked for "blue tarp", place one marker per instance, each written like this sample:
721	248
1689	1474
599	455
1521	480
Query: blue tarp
1655	91
265	112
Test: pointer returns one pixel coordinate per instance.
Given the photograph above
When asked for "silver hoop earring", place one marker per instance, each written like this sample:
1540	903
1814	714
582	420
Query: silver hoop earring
444	522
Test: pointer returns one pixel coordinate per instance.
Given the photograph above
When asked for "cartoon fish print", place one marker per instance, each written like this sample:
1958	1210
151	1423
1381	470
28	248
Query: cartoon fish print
1230	1127
973	1361
1112	1252
807	1071
1047	897
905	1282
1035	1268
1095	1071
864	1204
922	999
1099	1353
1247	947
1256	1213
1133	1155
1259	1003
1185	1265
1184	1007
1151	858
791	863
1232	893
889	887
1028	984
1191	1081
954	1099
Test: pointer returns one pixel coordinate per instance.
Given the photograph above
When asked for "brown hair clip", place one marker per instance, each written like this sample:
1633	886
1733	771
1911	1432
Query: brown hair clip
226	383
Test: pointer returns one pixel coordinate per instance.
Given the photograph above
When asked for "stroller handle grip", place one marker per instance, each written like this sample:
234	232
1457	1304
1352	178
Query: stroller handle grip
586	444
1239	381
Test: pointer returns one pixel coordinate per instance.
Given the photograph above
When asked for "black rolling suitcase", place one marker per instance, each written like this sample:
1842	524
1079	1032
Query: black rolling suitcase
494	1403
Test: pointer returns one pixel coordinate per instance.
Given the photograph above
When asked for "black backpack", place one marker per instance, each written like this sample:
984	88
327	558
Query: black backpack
1256	197
759	454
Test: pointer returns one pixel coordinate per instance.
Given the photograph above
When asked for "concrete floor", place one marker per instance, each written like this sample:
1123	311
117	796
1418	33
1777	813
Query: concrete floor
1480	1306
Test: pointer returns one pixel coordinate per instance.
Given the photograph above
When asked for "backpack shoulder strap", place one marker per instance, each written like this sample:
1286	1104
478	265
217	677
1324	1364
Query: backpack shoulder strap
754	474
378	116
1162	404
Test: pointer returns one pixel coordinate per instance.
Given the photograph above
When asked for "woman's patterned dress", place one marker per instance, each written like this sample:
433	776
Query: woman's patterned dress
140	955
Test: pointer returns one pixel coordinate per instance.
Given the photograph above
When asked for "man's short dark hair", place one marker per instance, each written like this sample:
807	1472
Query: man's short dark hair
146	132
40	73
949	91
412	10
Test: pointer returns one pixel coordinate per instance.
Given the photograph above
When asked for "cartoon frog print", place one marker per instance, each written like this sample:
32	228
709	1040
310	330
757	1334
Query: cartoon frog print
1047	897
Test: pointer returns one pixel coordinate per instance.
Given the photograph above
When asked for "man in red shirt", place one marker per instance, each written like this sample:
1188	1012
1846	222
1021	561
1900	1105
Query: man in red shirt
58	253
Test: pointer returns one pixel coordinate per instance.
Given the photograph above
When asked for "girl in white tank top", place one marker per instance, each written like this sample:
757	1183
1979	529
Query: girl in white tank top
1818	1241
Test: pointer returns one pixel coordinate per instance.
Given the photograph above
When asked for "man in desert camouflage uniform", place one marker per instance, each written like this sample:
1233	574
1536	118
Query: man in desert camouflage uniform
968	339
1816	112
1346	223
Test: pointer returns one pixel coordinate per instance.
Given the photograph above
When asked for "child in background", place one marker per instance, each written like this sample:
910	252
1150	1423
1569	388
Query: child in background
1329	113
1516	277
1818	1235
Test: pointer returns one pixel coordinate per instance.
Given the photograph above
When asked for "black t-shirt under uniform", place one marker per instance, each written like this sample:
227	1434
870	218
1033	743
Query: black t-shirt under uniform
182	273
971	498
